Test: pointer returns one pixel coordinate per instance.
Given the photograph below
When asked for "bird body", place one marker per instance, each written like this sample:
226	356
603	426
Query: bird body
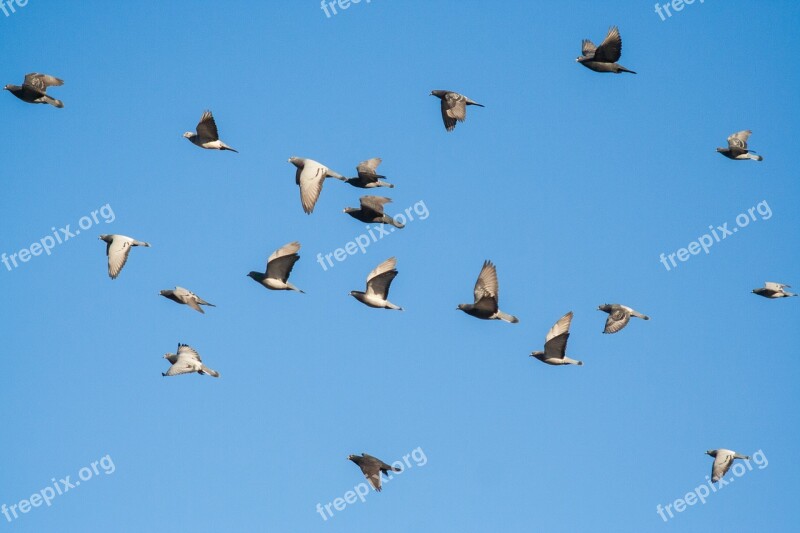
454	107
723	459
372	468
310	177
618	316
603	58
486	291
117	249
187	361
371	210
378	283
555	344
774	290
737	147
34	89
279	267
207	135
368	177
186	297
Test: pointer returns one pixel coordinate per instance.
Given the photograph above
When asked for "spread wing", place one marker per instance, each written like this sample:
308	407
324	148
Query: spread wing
368	169
207	127
486	285
555	344
777	287
588	48
40	82
310	179
380	279
722	462
617	320
187	353
454	108
610	49
117	251
374	203
738	141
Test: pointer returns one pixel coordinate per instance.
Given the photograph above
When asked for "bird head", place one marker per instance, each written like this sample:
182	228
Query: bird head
461	307
349	209
253	274
438	93
712	453
7	88
296	161
166	355
537	354
163	293
105	237
604	307
189	135
579	59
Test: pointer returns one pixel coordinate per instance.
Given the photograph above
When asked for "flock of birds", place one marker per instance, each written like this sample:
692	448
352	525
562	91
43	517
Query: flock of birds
310	176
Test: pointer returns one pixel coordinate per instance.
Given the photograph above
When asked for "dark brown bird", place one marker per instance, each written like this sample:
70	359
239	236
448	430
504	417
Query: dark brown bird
603	58
34	89
486	289
372	467
371	210
454	107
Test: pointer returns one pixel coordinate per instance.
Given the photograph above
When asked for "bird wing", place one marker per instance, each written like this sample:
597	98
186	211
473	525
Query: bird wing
40	82
722	462
777	287
371	468
310	180
610	49
454	108
369	168
286	249
556	348
281	267
207	127
617	319
374	203
117	251
559	328
486	285
186	352
180	367
588	48
379	280
739	140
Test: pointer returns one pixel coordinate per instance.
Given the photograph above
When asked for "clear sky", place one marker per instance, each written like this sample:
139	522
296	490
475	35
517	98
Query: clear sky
572	182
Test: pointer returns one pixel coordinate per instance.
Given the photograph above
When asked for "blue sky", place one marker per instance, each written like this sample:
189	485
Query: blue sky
572	182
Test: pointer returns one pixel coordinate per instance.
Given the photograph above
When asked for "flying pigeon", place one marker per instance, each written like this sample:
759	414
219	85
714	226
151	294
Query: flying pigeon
618	316
774	290
454	107
378	283
187	361
187	297
117	249
34	89
309	177
371	210
603	58
486	288
372	467
737	147
367	175
207	135
723	459
555	344
279	266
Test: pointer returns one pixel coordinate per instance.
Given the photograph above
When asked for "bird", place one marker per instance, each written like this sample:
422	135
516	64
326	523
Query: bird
207	135
372	467
378	283
187	361
279	266
117	249
371	210
555	344
723	459
618	316
34	89
737	147
603	58
774	290
187	297
367	176
486	289
454	107
309	177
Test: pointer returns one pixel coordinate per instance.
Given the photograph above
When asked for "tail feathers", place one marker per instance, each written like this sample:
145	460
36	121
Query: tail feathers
140	243
224	146
205	370
385	184
640	315
53	102
623	69
755	157
293	288
389	220
508	318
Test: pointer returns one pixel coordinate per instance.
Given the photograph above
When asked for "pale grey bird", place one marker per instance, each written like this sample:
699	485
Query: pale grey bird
279	266
618	316
737	147
368	177
117	249
309	177
187	361
485	292
207	135
371	210
723	459
378	283
555	344
454	107
372	467
603	58
186	297
774	290
34	89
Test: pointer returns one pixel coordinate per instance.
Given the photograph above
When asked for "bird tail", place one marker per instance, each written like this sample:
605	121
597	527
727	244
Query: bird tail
293	288
752	155
385	184
224	146
623	69
140	243
203	302
389	220
640	315
473	102
205	370
508	318
53	102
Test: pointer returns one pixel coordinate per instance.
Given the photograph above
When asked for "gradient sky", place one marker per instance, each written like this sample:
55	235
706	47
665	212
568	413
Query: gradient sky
572	182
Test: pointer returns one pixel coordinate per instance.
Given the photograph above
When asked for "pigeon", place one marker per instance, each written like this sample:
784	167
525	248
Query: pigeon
372	467
486	288
618	316
603	58
555	344
279	266
378	283
454	107
371	210
207	135
34	89
309	177
774	290
367	175
184	296
737	147
723	459
187	361
117	249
